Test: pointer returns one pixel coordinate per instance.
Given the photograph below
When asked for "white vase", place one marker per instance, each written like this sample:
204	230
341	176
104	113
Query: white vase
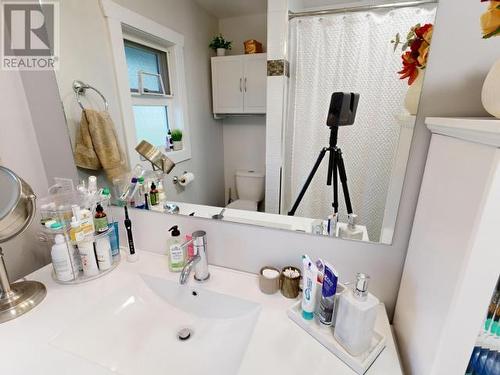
490	95
221	51
413	94
177	145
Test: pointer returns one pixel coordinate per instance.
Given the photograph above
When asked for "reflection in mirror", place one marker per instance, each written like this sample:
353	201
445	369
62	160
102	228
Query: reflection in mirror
262	137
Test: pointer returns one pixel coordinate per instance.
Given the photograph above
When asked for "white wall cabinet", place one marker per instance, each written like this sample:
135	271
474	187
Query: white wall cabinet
453	256
239	84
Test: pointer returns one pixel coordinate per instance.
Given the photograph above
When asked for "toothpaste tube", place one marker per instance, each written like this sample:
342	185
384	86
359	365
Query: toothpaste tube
328	290
310	285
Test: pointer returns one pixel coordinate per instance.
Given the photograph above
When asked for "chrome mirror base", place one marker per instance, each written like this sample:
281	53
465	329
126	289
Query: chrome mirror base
22	297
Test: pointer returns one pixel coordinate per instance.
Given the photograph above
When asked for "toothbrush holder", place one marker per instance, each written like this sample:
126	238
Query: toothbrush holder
269	282
290	286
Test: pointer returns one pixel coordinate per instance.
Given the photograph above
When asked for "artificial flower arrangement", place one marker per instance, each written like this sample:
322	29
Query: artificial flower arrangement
415	50
490	20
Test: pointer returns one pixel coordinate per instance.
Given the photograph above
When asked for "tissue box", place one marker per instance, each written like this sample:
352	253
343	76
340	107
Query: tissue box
253	46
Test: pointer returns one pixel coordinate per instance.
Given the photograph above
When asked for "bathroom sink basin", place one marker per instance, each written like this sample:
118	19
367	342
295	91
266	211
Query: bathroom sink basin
155	326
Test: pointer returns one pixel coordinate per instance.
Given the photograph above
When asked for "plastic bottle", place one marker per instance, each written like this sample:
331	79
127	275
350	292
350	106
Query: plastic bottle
88	256
103	252
61	260
153	195
76	233
100	219
176	253
138	198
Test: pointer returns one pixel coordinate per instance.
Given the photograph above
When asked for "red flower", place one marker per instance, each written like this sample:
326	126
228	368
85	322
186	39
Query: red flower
420	31
410	68
414	48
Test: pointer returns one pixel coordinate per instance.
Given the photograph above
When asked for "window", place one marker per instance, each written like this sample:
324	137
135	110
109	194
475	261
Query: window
151	124
147	69
150	90
151	81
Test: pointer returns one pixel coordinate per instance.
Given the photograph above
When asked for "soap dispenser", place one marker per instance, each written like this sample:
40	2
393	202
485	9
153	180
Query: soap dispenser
176	254
352	231
356	316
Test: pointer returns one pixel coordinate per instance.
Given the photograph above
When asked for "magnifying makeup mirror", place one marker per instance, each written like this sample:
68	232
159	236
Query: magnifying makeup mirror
17	209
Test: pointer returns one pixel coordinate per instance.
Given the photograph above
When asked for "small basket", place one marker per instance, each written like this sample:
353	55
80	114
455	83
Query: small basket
252	46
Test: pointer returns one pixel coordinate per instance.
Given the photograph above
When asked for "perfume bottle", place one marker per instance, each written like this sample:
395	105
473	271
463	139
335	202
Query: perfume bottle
352	231
356	316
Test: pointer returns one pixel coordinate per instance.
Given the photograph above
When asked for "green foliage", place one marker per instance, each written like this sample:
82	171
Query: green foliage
219	42
176	135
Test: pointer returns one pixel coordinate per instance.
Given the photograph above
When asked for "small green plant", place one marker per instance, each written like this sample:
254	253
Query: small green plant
219	42
176	135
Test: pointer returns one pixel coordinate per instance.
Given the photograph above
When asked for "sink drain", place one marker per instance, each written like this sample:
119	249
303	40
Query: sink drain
184	334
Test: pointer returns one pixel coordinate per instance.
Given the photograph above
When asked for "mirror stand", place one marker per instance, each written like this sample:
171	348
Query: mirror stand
17	298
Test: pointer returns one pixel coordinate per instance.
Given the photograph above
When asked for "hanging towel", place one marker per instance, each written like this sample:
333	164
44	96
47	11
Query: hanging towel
97	146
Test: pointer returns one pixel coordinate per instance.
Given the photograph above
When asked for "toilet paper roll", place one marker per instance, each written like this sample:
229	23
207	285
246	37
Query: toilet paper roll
186	179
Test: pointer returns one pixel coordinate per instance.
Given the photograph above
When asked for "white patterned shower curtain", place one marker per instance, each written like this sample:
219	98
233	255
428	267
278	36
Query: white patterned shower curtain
349	52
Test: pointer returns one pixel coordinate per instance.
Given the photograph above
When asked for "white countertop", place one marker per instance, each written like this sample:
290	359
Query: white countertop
277	345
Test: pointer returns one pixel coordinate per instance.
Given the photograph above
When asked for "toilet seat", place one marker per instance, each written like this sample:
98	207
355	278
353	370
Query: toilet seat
241	204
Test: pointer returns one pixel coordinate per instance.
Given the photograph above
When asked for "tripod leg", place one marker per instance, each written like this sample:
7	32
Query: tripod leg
334	174
308	181
343	180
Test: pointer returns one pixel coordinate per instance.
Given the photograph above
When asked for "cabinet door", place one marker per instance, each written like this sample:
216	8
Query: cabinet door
227	84
254	83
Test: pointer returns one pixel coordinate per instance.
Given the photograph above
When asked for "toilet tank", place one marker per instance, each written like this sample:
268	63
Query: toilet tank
250	185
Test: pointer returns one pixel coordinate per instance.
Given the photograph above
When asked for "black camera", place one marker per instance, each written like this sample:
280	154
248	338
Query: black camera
343	106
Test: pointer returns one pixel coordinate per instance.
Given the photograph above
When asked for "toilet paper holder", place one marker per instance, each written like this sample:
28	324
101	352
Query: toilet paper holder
177	179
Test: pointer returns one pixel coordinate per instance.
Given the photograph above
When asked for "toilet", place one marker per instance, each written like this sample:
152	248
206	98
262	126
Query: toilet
250	189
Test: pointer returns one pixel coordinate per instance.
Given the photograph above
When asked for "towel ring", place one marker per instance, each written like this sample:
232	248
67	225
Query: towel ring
79	88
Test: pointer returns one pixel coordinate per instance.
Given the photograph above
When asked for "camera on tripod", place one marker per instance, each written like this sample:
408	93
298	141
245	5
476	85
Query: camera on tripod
342	112
343	106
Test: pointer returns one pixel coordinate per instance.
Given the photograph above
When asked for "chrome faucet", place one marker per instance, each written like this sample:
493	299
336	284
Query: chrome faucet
198	261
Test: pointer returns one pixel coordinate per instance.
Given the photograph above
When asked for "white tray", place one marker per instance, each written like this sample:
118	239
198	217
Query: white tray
324	334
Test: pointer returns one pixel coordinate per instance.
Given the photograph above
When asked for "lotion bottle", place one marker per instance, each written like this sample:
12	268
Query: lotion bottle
356	316
88	256
61	260
176	253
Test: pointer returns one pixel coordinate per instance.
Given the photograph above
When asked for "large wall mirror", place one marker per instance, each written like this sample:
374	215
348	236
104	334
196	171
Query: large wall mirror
250	134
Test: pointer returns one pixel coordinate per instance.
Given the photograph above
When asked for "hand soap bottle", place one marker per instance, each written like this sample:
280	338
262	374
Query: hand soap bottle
356	316
352	231
176	254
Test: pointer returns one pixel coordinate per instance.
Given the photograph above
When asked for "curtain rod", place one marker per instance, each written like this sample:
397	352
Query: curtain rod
360	8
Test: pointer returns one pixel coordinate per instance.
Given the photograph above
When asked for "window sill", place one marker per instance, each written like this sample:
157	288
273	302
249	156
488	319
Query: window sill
178	156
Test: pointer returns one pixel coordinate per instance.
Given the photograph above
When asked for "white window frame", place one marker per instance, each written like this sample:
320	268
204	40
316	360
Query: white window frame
125	24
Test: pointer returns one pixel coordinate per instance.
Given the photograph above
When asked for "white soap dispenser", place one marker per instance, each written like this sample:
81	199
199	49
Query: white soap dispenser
352	231
356	316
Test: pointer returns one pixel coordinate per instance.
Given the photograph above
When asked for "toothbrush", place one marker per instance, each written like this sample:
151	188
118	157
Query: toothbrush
132	257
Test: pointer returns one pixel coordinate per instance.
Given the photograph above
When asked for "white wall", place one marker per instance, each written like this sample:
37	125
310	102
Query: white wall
452	87
86	55
20	152
244	148
244	137
239	29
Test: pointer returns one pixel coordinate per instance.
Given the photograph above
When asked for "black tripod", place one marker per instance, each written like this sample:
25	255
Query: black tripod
336	168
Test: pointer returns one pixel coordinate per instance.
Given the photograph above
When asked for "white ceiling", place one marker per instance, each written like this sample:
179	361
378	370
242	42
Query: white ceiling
233	8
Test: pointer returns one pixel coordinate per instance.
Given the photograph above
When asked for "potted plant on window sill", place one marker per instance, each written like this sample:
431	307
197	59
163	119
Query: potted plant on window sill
177	139
220	45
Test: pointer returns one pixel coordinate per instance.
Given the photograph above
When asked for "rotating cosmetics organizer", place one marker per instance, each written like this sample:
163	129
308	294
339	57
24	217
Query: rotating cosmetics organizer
83	238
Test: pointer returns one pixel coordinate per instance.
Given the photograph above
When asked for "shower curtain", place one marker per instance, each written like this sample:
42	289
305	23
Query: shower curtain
349	52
